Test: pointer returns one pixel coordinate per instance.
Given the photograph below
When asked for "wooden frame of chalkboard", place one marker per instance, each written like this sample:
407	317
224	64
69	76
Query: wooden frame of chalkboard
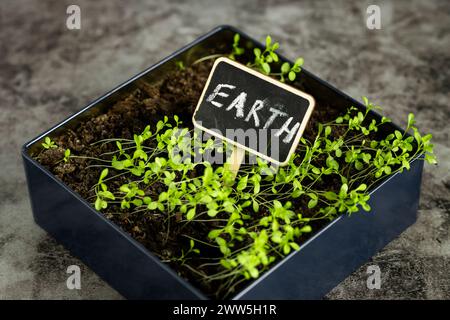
275	82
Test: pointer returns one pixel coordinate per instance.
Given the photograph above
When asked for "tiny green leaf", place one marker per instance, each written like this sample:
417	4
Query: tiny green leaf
291	75
190	214
285	67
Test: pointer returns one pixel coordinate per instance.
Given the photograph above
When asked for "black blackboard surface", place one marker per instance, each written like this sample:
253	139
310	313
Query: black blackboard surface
253	111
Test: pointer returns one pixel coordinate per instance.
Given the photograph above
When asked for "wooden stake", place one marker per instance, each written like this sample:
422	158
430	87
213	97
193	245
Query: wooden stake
235	159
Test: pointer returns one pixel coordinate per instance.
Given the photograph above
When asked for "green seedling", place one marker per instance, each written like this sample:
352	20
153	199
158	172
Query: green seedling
102	193
291	71
236	51
263	59
49	143
180	65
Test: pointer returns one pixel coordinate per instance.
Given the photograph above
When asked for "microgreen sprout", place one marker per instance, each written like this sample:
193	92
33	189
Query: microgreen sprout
66	155
102	193
49	143
185	255
291	71
180	65
264	61
264	58
236	51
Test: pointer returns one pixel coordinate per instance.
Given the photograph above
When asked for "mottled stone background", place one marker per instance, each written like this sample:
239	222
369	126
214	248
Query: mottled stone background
48	72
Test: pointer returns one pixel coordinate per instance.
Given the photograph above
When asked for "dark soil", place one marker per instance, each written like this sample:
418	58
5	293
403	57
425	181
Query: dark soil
178	93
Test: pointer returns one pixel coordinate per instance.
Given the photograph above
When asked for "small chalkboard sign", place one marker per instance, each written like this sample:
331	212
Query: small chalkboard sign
253	112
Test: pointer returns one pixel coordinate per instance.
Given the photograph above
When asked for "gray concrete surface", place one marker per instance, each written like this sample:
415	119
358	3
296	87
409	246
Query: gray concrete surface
48	72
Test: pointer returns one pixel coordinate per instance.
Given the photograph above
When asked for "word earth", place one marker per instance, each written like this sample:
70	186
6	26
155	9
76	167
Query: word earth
258	106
